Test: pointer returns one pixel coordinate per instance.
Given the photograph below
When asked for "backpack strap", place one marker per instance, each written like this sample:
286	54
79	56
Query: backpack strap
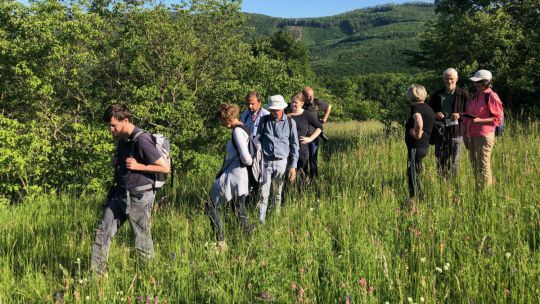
486	98
133	141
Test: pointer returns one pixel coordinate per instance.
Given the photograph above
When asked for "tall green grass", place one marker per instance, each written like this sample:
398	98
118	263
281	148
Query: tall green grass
351	239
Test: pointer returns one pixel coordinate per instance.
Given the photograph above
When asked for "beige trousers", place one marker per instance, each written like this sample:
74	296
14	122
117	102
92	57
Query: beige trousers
480	153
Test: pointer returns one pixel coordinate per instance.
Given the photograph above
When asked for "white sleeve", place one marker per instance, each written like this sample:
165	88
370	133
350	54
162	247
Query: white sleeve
242	141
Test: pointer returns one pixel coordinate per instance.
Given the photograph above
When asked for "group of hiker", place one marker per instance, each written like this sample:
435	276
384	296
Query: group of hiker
450	120
277	145
283	139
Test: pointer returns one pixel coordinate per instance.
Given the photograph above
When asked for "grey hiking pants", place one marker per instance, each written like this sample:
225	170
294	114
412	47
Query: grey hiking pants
448	155
114	215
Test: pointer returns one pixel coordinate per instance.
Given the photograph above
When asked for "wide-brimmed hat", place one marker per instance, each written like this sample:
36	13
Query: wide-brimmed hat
481	75
276	102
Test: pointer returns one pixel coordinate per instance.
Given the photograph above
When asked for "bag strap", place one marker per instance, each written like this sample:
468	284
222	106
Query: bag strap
133	141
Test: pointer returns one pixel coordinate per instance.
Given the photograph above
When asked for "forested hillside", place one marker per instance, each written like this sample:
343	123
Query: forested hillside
369	40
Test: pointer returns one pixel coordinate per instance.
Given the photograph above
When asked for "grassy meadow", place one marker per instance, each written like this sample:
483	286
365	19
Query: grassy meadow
350	242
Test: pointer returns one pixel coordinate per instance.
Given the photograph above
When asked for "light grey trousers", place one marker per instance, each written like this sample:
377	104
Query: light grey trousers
114	215
274	170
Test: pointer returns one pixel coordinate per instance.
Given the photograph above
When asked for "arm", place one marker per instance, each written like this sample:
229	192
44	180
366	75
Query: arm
327	113
307	139
496	108
241	138
293	145
159	166
314	122
150	155
417	131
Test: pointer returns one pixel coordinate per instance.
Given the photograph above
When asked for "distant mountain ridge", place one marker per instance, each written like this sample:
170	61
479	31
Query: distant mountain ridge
368	40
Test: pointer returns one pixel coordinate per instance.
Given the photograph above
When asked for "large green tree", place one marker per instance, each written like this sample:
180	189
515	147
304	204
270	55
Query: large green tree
62	63
500	36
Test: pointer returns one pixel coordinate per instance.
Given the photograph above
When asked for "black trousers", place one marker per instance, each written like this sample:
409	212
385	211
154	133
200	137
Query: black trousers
414	170
239	203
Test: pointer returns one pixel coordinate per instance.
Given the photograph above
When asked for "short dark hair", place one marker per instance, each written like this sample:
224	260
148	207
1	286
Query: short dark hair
118	111
254	93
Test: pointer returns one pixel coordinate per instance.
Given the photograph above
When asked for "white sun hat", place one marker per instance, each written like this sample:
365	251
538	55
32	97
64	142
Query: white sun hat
481	75
276	102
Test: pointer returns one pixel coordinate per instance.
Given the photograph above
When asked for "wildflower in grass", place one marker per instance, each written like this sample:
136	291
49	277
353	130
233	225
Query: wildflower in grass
409	299
302	270
507	255
347	299
507	292
78	260
422	299
311	209
371	289
343	285
446	266
439	270
423	260
363	282
139	299
87	298
301	295
294	286
386	302
80	281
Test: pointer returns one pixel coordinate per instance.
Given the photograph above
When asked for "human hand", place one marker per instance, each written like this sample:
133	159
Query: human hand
455	116
292	175
439	115
305	140
132	164
413	134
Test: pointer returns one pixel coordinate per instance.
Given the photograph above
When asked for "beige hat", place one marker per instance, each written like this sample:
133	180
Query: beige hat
481	75
276	102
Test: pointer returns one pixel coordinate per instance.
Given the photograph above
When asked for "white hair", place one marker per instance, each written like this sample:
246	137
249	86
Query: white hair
450	71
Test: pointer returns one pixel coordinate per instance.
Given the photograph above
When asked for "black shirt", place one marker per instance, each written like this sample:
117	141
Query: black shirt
144	151
428	118
318	107
306	123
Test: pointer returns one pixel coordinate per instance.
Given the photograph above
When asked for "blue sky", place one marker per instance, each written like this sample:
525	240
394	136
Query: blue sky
310	8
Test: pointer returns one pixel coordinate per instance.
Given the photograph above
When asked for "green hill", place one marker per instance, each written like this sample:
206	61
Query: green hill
367	40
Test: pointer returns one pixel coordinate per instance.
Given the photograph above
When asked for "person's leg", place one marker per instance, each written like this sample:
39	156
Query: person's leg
279	175
265	190
313	156
457	146
420	154
485	159
473	155
242	214
410	174
215	221
113	217
439	151
139	217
